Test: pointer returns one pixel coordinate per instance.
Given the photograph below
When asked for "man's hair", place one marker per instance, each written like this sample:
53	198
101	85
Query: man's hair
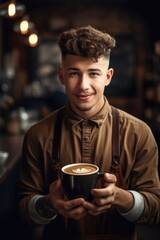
87	42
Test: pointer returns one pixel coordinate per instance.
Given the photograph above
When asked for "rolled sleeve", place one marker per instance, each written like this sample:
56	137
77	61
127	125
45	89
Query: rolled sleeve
33	213
137	208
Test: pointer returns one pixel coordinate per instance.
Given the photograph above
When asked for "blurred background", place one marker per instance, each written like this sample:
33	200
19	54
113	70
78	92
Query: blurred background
29	56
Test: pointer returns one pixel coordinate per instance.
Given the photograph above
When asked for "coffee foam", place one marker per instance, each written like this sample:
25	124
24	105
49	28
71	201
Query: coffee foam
82	170
79	169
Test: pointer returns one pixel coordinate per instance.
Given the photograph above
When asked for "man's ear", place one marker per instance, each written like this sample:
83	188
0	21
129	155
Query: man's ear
109	76
60	75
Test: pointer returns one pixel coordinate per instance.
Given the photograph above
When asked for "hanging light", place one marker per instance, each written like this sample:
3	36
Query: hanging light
12	9
24	26
33	39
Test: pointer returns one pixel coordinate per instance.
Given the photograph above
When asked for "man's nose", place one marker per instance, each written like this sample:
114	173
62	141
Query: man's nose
84	82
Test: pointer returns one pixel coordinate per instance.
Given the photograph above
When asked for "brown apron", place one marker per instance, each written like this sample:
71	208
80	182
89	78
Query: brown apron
106	226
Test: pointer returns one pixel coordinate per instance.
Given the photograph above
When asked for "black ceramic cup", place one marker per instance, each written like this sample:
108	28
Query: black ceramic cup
79	178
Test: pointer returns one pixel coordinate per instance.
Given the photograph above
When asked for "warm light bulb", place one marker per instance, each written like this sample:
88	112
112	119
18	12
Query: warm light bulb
33	40
24	25
11	9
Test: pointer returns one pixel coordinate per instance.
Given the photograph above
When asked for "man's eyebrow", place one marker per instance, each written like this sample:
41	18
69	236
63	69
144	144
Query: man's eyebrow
72	69
94	69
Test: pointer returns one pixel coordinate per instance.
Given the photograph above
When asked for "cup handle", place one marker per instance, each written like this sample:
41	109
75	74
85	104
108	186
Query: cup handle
100	175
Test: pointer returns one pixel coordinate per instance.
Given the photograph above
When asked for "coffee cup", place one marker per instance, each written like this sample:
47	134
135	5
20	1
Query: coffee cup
79	179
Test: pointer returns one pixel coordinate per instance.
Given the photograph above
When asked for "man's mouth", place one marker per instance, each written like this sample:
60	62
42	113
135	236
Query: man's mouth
84	97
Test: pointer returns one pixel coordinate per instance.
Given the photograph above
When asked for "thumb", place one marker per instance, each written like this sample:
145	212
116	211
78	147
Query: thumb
56	185
110	178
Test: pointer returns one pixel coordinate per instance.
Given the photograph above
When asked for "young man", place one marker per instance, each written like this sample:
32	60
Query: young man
87	130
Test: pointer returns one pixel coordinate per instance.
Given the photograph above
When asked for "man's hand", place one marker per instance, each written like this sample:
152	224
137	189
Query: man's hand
68	208
110	195
104	197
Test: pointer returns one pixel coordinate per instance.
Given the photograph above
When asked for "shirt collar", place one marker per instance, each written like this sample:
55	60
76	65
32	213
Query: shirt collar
98	119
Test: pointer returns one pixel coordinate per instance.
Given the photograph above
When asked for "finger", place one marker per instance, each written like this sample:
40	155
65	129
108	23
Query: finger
71	204
73	209
93	209
110	178
106	180
104	201
95	213
105	192
55	185
68	205
76	213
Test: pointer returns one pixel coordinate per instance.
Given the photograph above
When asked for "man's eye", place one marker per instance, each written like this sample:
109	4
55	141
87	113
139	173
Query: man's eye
94	74
73	74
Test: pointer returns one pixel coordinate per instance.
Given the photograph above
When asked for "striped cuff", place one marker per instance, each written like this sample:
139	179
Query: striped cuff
33	213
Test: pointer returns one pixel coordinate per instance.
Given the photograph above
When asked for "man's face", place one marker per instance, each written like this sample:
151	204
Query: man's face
84	81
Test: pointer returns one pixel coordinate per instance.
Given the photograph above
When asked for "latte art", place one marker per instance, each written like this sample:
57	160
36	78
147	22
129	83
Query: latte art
82	170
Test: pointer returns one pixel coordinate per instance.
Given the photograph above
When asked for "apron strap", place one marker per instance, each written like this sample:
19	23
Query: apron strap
116	167
115	136
56	143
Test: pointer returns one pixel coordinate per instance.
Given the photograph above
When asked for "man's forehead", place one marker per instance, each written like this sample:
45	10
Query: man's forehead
81	59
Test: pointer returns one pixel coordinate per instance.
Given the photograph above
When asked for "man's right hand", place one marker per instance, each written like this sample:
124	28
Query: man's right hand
69	208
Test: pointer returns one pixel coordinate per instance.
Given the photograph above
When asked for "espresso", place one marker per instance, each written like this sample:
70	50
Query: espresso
80	169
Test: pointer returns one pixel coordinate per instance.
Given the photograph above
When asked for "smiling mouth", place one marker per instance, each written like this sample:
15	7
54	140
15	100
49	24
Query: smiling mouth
84	97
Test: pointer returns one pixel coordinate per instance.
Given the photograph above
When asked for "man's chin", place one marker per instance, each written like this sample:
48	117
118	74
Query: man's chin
84	108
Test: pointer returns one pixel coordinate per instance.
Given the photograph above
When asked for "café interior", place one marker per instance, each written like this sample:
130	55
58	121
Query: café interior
30	90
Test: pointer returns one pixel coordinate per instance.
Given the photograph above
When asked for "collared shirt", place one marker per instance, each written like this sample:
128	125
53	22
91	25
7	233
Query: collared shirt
90	140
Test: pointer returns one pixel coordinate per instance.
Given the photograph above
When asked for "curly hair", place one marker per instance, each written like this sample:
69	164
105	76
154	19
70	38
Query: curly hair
86	41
